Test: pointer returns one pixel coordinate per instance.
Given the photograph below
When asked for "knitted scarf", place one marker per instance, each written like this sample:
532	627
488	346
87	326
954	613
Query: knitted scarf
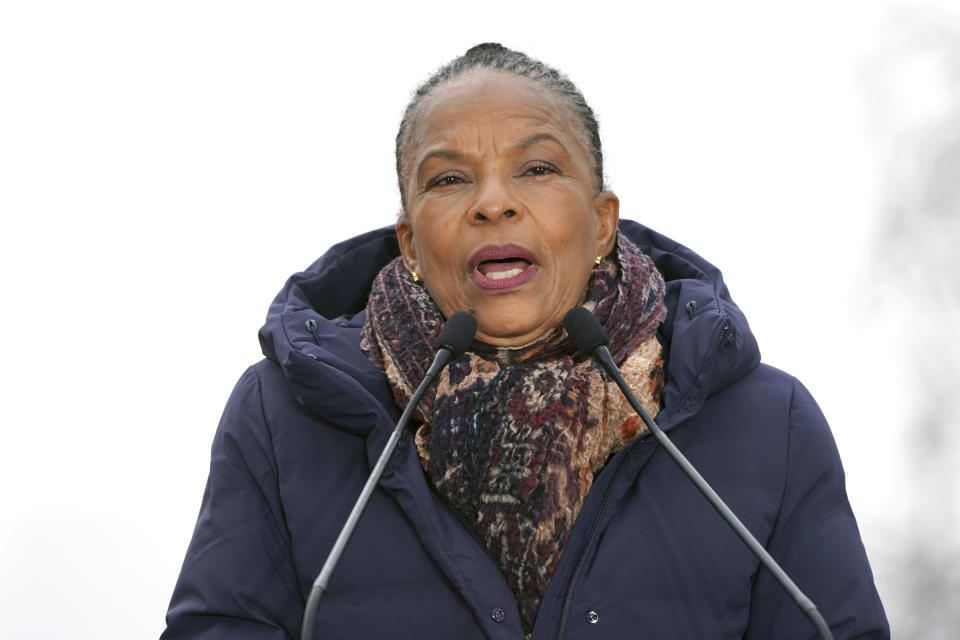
511	437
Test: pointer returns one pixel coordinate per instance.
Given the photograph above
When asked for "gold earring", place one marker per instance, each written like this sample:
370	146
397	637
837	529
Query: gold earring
415	276
597	261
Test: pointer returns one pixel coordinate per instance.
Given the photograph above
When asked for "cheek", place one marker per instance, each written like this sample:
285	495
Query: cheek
575	227
431	248
435	263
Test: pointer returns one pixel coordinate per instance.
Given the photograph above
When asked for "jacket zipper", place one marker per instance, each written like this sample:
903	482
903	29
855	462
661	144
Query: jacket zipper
726	333
311	325
581	556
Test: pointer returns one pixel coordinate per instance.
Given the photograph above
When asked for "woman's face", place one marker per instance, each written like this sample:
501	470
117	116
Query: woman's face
502	214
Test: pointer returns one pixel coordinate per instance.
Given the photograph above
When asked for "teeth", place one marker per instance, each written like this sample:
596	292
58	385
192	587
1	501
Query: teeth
500	275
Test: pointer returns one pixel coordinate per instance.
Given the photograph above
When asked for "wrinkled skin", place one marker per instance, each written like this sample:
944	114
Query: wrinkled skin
497	164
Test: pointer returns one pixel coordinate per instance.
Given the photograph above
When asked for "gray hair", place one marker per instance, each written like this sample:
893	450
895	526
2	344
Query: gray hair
496	57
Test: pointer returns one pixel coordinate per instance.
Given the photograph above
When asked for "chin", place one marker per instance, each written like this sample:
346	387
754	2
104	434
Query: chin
506	329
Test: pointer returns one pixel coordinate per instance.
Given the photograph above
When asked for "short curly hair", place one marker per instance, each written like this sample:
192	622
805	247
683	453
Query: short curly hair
496	57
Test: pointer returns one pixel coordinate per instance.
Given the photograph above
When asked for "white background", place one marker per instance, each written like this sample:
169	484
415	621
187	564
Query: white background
165	166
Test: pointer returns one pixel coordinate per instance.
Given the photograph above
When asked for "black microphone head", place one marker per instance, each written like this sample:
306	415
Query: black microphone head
584	330
457	334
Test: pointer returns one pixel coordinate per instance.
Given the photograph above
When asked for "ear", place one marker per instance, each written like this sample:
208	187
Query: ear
405	240
607	207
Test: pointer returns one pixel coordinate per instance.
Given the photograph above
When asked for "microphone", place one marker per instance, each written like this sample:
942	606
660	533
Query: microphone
454	340
590	338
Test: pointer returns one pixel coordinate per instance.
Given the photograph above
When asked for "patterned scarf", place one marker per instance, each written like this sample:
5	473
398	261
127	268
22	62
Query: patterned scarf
511	437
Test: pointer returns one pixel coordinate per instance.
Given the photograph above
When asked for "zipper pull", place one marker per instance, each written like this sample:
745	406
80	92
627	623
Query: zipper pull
311	325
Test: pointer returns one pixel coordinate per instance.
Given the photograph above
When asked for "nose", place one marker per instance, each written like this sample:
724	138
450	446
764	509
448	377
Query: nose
495	201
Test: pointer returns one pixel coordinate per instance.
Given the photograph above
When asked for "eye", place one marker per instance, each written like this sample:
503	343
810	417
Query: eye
445	180
540	170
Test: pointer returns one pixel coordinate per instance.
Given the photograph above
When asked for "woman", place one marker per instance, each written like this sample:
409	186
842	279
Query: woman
529	499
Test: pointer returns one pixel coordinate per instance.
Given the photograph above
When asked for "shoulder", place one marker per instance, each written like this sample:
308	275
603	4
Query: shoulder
290	431
771	393
776	427
764	430
264	400
261	386
790	410
259	413
765	399
243	436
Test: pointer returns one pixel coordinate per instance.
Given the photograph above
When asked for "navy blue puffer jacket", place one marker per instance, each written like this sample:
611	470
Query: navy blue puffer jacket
647	558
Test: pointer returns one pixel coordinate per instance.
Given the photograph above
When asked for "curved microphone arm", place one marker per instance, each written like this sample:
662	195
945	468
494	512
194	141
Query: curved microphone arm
454	340
591	339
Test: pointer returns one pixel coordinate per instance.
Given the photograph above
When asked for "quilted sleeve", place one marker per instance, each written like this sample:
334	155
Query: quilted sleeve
238	579
816	541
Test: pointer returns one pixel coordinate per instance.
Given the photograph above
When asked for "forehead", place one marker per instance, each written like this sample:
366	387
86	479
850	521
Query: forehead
509	104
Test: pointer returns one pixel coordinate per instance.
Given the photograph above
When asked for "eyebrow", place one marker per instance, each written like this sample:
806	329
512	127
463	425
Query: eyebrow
521	145
441	153
529	141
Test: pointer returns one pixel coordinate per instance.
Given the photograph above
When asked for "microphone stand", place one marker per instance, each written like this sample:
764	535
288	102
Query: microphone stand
590	338
453	341
602	353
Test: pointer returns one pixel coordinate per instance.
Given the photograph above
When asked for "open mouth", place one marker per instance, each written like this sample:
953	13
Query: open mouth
497	268
502	269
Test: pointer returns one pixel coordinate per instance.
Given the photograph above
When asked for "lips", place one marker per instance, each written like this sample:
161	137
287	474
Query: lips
501	268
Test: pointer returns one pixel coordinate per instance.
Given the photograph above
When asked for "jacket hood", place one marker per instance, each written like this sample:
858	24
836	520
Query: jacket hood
313	330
